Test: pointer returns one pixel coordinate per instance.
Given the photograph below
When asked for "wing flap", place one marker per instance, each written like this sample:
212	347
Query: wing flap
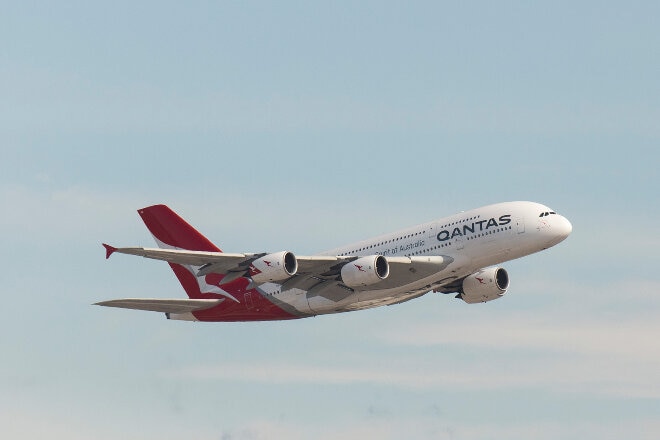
162	305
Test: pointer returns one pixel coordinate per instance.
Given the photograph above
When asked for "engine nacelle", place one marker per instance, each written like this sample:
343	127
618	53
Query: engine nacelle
365	271
273	267
486	285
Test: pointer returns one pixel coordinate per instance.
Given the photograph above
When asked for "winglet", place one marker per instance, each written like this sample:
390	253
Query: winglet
109	250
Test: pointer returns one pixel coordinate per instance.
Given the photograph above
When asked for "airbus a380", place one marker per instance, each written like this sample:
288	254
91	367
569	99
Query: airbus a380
457	254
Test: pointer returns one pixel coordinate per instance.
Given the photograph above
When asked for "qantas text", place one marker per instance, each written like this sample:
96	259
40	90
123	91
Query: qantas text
474	227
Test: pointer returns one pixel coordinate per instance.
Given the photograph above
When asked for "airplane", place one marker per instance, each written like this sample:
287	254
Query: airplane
458	254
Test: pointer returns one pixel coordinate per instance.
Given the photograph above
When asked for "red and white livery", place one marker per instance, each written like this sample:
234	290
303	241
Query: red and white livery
458	254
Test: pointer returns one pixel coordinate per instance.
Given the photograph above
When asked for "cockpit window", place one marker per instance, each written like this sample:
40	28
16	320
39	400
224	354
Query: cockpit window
545	214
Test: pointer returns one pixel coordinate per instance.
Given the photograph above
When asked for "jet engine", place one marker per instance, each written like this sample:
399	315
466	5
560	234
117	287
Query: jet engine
273	267
365	271
486	285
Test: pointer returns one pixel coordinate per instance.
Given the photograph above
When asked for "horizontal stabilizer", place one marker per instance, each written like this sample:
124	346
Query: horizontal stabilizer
109	250
163	305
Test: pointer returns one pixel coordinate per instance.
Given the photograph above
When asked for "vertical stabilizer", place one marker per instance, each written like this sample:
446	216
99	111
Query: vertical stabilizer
170	229
172	232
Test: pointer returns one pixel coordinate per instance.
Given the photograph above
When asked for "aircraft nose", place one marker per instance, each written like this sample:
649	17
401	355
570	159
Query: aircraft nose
564	227
559	228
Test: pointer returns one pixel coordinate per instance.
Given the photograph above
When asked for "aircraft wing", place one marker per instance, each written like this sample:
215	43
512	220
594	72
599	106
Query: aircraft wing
222	262
163	305
312	270
325	280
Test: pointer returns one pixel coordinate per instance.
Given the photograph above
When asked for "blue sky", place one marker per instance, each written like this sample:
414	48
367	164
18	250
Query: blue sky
287	125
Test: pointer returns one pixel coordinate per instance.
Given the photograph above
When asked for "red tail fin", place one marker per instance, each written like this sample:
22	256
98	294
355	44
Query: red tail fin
171	231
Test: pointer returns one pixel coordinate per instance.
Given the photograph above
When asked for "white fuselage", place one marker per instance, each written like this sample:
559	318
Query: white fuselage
471	240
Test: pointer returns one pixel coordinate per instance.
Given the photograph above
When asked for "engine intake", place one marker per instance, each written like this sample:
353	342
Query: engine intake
365	271
273	267
486	285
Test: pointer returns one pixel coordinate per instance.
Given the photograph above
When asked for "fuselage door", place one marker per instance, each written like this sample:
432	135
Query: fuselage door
433	231
248	301
520	225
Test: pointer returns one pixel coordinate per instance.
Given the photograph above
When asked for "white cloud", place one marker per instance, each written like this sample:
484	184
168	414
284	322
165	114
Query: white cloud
600	375
439	427
55	423
571	346
560	350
